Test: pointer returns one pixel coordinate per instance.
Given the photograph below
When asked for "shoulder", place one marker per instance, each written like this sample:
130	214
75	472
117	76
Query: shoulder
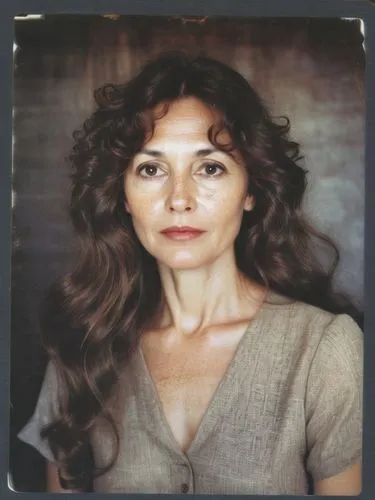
305	317
303	321
338	334
339	353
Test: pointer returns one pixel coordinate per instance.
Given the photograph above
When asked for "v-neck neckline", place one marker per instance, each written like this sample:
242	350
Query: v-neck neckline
254	323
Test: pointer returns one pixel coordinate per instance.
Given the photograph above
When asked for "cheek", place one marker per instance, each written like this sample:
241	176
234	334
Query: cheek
143	208
135	200
225	205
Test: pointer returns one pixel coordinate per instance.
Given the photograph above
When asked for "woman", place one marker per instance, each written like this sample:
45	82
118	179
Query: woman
198	345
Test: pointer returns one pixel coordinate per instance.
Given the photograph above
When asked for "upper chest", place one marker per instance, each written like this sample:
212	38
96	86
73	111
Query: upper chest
187	375
194	363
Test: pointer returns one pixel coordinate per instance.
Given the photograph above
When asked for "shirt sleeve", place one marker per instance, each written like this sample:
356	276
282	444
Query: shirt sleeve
334	400
45	412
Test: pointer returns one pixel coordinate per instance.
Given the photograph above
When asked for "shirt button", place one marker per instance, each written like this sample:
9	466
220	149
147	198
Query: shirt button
184	488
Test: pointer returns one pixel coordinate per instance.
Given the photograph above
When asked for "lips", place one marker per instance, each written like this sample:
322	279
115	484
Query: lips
182	232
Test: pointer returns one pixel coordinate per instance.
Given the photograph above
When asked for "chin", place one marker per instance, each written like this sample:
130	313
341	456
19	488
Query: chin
183	260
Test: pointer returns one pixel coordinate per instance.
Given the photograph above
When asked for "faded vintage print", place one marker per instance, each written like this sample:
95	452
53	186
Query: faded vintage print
187	271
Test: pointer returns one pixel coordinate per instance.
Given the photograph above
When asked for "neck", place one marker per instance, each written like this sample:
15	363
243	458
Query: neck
197	298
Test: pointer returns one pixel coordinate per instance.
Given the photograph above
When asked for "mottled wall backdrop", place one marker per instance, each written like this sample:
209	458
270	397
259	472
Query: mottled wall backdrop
310	70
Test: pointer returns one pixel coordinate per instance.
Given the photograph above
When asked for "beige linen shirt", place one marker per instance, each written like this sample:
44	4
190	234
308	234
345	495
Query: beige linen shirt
289	404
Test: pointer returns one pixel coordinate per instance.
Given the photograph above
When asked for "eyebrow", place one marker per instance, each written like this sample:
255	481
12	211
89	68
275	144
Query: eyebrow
199	153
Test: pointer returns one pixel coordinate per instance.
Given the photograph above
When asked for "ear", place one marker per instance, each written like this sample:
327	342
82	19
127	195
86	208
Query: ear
249	203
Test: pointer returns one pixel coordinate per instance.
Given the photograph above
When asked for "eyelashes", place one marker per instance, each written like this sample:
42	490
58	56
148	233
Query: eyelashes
207	169
148	170
211	168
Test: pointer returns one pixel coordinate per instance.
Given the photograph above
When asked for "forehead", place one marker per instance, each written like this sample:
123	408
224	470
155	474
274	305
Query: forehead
188	117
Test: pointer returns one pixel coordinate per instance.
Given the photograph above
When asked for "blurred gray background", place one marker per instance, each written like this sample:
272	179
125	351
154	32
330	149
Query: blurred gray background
312	70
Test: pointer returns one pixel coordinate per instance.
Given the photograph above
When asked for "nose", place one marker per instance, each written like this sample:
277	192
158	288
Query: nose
181	197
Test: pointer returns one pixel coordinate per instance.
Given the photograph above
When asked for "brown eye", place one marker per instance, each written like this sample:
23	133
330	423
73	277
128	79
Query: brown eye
148	170
213	169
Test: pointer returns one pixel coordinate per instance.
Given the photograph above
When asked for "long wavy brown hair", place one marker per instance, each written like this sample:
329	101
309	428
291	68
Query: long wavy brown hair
93	316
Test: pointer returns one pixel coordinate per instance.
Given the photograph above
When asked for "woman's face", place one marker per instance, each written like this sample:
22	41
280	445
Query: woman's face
185	197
